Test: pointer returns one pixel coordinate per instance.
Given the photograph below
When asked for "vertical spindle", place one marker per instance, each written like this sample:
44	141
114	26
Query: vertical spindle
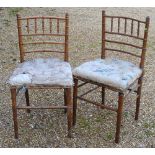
43	27
28	30
35	22
125	25
111	24
50	25
118	25
132	27
138	29
57	25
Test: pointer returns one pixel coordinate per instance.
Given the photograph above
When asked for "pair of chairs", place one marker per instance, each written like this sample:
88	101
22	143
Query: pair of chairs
114	74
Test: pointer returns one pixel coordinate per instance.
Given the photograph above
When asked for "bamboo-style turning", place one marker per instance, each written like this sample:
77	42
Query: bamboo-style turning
43	34
121	17
118	25
138	29
111	24
125	26
35	25
43	26
40	51
127	35
45	17
28	30
134	31
132	24
58	26
124	43
33	29
50	25
121	51
44	42
66	37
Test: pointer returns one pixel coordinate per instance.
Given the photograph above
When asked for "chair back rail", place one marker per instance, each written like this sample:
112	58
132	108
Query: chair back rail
125	27
33	29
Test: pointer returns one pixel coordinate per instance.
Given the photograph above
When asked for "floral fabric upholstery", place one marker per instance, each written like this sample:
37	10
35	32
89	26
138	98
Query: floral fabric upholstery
50	71
112	72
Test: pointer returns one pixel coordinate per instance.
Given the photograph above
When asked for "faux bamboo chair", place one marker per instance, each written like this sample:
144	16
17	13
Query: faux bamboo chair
42	73
114	74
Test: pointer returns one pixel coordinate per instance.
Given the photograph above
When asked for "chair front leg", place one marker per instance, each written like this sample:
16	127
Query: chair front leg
69	111
14	109
75	91
27	100
119	116
138	97
65	99
103	95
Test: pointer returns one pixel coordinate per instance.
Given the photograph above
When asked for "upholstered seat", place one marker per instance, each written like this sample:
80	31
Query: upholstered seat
112	72
49	71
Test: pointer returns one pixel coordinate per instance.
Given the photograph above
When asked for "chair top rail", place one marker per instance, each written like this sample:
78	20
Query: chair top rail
44	42
44	34
123	43
123	34
37	51
121	51
42	17
126	18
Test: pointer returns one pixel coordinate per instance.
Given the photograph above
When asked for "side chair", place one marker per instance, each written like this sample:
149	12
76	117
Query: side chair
40	35
118	75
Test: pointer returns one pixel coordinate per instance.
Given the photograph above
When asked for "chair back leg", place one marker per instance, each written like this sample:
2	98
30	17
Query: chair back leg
138	97
75	91
27	100
14	109
103	95
65	100
69	111
119	116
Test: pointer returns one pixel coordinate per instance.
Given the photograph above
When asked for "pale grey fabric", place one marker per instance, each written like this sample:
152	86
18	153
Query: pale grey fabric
113	72
50	71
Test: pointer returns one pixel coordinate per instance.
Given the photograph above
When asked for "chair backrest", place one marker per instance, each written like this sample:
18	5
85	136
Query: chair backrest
33	29
118	27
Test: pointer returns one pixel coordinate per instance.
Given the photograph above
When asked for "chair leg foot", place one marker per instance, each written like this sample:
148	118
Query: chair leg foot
69	134
14	110
69	111
119	117
27	100
138	98
75	100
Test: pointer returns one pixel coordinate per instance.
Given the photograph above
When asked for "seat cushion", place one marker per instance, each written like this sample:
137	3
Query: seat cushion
112	72
49	71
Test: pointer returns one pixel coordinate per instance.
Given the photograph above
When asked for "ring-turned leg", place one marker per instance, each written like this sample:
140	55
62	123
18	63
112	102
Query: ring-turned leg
138	98
14	110
27	100
103	95
75	100
65	99
119	116
69	111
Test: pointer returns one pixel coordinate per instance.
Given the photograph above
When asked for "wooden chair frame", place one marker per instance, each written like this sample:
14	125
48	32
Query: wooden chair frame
68	107
121	93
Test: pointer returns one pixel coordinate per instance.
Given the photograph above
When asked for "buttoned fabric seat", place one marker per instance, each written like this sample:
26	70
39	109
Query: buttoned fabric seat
49	71
112	72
